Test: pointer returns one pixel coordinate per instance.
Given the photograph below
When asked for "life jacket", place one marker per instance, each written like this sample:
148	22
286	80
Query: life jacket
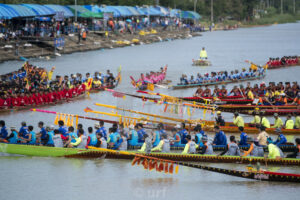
93	139
157	138
83	142
103	143
33	138
134	138
166	146
199	136
233	149
192	148
50	141
123	145
177	143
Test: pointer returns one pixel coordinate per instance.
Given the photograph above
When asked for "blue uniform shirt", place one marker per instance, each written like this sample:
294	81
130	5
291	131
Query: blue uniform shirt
63	130
3	133
102	130
220	138
23	131
280	140
183	133
243	140
141	134
44	133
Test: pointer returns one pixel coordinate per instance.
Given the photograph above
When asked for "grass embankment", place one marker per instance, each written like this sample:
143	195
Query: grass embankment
276	19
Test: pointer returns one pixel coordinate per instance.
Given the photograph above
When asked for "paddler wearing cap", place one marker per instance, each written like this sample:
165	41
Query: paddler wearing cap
238	120
203	53
190	147
281	139
278	121
289	123
220	121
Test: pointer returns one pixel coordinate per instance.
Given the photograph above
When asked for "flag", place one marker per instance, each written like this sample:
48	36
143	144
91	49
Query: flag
119	77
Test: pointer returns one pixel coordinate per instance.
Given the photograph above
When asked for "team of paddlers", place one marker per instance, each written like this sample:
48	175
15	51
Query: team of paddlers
272	94
284	61
120	138
34	86
218	77
152	78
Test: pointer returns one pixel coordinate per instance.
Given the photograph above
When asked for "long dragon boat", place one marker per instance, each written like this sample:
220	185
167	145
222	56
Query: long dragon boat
179	86
270	66
43	151
201	62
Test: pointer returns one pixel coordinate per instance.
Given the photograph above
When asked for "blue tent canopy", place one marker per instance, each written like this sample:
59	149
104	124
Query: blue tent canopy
133	10
111	9
40	10
175	13
7	12
190	15
150	11
93	8
123	11
59	8
12	11
164	11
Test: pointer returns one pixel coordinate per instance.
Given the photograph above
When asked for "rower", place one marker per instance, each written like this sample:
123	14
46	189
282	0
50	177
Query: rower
80	126
203	53
176	138
62	129
232	149
81	141
243	136
147	145
133	136
101	142
199	133
262	136
122	142
238	120
224	90
42	135
183	132
163	146
198	92
297	121
13	137
219	119
278	121
57	139
156	136
102	129
114	136
256	119
3	132
296	153
220	137
253	149
264	121
206	92
190	147
207	148
141	132
281	138
274	151
92	138
49	137
250	94
32	136
289	123
23	130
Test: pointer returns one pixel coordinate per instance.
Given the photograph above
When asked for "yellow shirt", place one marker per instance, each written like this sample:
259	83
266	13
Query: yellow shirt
238	121
289	124
203	54
265	122
297	122
273	151
50	73
97	82
278	123
250	95
256	120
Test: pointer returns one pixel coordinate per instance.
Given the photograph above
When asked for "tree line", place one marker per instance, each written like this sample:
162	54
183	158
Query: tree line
222	9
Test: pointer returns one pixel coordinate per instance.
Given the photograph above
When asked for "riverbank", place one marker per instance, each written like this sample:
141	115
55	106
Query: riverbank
94	41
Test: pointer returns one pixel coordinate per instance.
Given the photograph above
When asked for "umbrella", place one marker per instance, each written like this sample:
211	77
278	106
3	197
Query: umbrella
128	20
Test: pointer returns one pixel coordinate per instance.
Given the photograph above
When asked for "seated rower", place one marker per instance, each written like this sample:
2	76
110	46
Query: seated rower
256	119
264	121
101	142
133	136
156	136
81	141
49	137
232	149
297	121
141	132
203	54
92	138
262	136
62	128
32	136
238	120
296	153
42	135
147	146
113	137
199	133
101	129
207	148
220	137
289	123
253	149
3	132
57	139
190	147
183	133
122	142
176	138
274	151
243	137
198	92
163	146
278	121
281	138
219	119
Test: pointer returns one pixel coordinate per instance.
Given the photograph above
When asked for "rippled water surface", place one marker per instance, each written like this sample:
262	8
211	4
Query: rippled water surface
56	178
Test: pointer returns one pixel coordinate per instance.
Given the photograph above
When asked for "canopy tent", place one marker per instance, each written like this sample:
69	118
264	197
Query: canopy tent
164	11
123	11
134	11
58	8
189	15
40	10
84	12
111	9
9	11
150	11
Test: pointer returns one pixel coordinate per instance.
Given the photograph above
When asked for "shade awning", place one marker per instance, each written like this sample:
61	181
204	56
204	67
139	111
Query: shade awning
189	15
58	8
40	10
9	11
84	12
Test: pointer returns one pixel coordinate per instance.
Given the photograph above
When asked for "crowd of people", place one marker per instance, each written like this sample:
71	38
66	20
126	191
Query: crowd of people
221	76
271	94
120	138
285	60
34	86
153	77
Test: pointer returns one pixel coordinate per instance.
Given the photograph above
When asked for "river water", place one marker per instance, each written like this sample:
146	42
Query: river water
49	178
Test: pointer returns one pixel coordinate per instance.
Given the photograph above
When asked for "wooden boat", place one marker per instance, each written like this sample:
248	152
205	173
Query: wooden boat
201	62
102	88
175	87
43	151
286	65
267	109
